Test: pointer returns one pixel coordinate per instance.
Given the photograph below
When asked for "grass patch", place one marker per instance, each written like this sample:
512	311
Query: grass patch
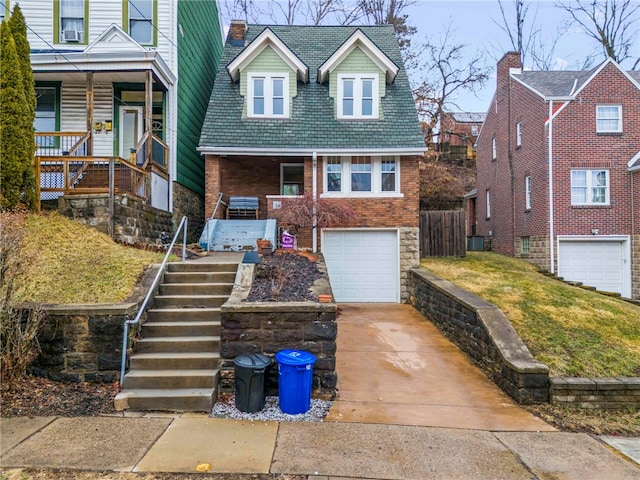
71	263
575	332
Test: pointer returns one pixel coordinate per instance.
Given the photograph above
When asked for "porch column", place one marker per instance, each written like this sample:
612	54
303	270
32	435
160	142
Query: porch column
90	113
211	185
148	102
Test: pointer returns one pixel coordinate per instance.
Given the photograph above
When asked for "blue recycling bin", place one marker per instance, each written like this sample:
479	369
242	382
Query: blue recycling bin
295	376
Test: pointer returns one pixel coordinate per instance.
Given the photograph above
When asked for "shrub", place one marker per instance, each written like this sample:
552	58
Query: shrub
19	326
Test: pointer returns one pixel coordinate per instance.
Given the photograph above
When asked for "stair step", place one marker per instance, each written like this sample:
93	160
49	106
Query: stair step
173	360
201	277
184	399
200	314
171	378
190	289
180	329
190	301
177	344
202	267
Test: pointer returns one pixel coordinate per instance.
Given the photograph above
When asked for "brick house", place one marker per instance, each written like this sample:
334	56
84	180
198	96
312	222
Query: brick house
326	111
461	128
586	126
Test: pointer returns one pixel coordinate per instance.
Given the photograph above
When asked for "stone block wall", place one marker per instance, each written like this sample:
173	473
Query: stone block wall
483	332
83	343
188	203
133	222
603	393
267	329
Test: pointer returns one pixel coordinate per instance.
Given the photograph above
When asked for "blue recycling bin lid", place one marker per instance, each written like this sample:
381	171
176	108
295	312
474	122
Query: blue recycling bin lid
295	357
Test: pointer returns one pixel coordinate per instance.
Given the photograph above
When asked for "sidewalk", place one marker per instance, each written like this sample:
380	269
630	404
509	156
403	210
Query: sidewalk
180	443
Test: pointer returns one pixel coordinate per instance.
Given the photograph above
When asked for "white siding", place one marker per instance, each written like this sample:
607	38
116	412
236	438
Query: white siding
74	112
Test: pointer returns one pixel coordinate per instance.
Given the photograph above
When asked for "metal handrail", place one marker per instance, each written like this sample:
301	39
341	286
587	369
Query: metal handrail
143	306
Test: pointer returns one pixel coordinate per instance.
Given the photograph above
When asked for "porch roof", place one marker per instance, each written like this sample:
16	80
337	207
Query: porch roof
312	126
127	66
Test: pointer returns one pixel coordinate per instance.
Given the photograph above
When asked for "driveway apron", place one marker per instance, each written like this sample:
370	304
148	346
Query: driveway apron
396	367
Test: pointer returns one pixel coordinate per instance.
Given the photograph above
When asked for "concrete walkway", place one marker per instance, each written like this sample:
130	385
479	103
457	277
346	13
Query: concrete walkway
192	443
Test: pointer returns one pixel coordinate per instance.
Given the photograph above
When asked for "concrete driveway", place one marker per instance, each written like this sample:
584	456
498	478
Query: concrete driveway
396	367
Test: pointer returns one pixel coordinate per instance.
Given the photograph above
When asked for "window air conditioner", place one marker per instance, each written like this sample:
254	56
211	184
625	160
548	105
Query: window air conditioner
71	36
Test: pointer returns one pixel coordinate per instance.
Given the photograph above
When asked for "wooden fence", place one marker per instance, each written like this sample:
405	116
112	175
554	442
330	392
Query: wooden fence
442	233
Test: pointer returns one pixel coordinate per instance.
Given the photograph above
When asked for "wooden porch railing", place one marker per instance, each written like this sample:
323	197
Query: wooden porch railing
159	152
63	175
54	144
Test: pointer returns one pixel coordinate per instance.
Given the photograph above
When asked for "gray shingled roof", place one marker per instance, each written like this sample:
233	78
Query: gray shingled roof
555	83
469	117
312	124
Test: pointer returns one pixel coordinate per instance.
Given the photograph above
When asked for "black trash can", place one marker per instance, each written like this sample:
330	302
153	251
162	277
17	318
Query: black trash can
251	372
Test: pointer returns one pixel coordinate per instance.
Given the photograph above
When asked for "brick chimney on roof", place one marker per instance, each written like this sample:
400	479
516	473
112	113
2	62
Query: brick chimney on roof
509	62
238	30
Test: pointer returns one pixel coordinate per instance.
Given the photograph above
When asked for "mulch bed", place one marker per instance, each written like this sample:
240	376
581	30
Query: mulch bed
40	397
285	277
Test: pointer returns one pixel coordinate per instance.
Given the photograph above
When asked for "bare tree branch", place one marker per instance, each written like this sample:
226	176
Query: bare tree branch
613	24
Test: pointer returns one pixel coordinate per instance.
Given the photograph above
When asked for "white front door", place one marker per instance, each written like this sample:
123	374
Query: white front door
130	121
363	264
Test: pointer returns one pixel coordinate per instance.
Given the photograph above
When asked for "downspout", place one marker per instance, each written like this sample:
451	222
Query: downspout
549	166
314	181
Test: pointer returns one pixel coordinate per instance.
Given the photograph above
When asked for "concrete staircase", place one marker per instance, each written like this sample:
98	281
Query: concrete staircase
174	365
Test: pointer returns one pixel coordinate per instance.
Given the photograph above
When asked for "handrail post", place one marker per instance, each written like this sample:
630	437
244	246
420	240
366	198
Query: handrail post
184	239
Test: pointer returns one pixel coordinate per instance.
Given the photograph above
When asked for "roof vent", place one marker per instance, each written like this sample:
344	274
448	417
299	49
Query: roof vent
71	36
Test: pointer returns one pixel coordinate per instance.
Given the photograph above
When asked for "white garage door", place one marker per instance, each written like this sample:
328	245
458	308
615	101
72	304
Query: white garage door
599	264
363	264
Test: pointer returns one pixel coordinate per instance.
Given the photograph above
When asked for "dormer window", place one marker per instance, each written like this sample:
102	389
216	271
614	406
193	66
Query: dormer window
268	95
358	96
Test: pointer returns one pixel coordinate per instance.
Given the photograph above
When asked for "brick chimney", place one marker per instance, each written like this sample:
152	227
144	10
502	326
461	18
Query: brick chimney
238	30
509	62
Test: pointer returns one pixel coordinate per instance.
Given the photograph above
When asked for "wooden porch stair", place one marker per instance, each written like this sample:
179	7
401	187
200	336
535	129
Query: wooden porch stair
175	364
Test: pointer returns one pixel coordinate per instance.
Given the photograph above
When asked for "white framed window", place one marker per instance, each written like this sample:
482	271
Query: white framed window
609	118
141	21
358	96
72	21
292	179
589	187
365	176
526	245
494	148
527	192
268	95
474	130
519	134
488	200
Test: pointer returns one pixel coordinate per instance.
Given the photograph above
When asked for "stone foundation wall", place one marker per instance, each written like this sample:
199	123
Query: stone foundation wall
635	267
409	258
538	251
603	393
133	222
483	332
188	203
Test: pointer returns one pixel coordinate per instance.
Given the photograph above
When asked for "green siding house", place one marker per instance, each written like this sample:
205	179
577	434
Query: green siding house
321	113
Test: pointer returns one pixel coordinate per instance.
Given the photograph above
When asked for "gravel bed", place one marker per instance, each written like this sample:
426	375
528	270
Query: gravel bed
225	408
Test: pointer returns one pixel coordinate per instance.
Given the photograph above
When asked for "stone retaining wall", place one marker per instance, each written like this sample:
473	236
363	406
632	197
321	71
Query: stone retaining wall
605	393
266	328
83	343
482	331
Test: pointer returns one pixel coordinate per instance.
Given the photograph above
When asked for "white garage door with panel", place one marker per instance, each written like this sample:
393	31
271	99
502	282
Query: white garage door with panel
601	262
363	264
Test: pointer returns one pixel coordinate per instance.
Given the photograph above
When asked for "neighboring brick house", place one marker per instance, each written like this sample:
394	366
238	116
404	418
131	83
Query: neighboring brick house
326	111
461	128
586	124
